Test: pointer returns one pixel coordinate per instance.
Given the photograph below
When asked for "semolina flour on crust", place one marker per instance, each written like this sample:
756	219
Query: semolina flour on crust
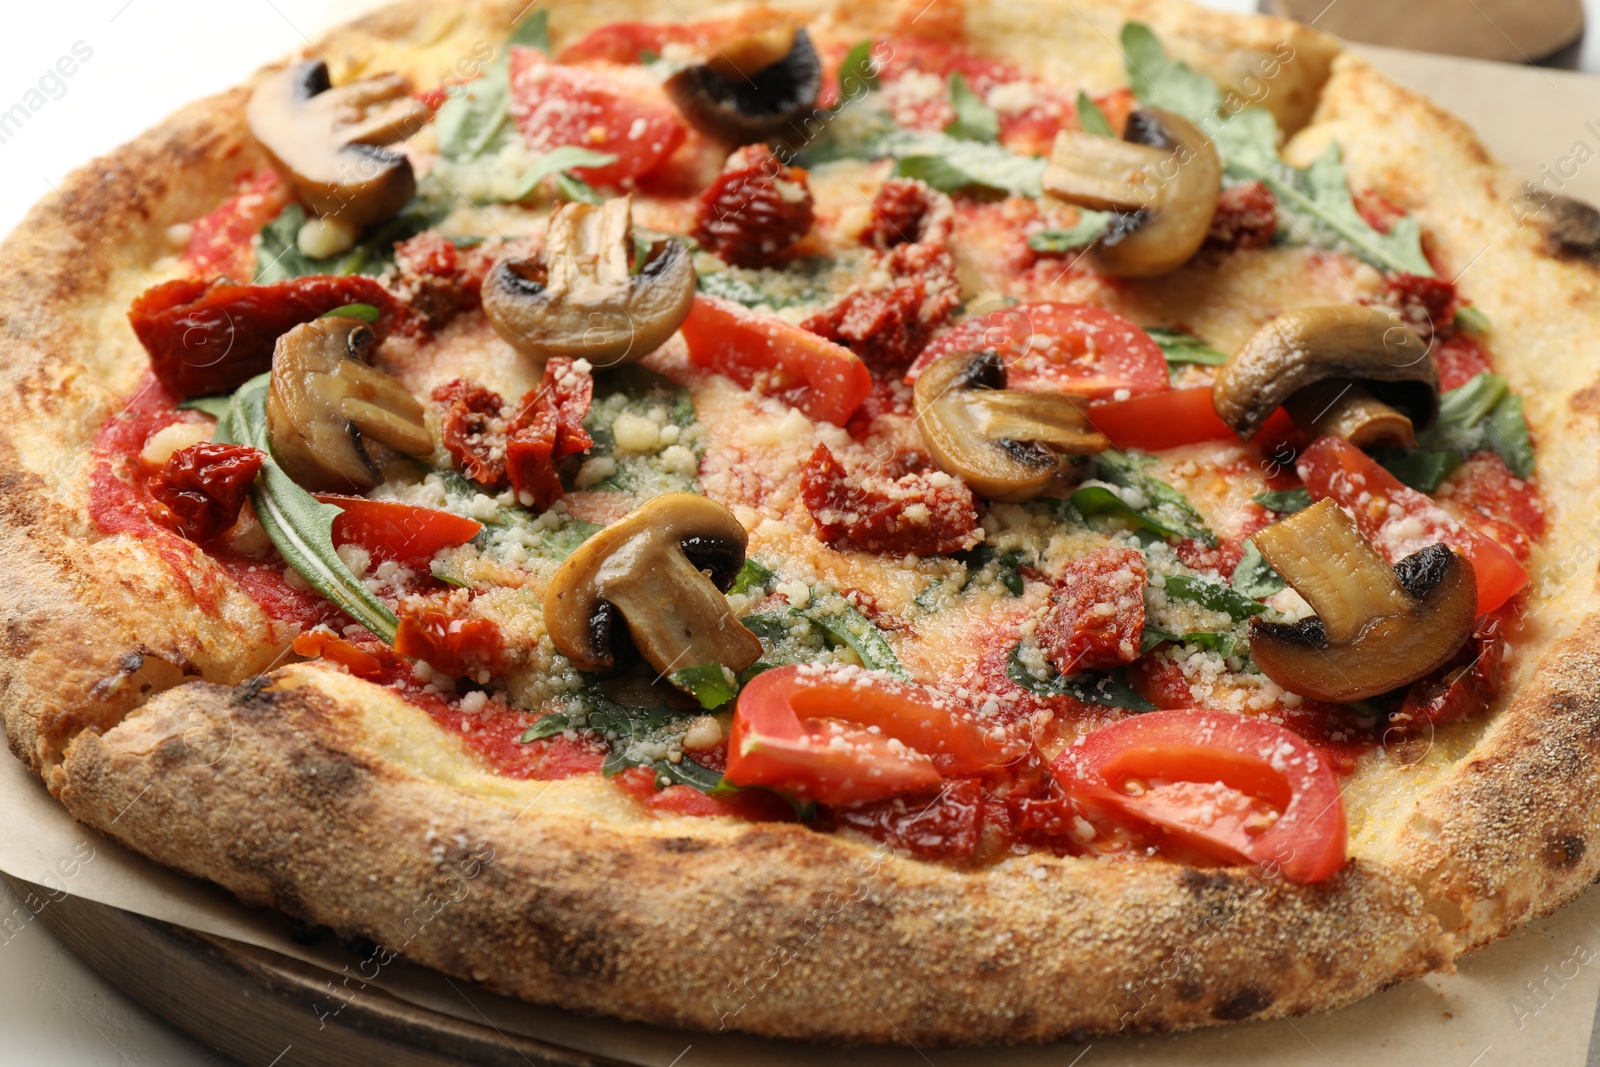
133	681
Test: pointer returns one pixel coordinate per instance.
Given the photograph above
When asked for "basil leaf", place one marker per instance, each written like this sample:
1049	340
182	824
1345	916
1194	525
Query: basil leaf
278	256
1213	596
858	74
1221	643
1254	576
1418	468
1091	118
975	120
1181	347
1152	638
364	312
1095	500
215	406
532	32
1284	501
1106	688
1081	234
751	575
770	625
1168	508
299	525
1482	413
854	630
549	726
1007	565
709	682
556	161
577	190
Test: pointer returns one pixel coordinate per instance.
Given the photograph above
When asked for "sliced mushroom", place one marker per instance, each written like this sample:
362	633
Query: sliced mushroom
1162	179
328	142
1006	444
1339	370
578	299
661	572
753	89
1376	627
332	418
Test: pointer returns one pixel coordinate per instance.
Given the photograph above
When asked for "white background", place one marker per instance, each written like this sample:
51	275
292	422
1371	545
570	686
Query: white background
149	58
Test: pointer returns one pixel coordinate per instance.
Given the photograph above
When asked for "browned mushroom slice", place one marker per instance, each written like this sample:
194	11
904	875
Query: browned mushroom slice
1339	370
1376	627
661	572
579	299
332	418
754	88
1006	444
328	142
1162	179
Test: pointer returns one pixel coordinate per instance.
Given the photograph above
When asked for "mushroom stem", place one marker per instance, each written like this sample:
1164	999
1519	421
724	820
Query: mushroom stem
1101	173
668	604
1323	556
1346	409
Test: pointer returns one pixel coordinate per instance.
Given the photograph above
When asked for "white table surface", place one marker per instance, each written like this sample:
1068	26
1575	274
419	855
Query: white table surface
148	58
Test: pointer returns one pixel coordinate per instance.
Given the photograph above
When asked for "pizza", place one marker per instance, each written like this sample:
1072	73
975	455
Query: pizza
868	522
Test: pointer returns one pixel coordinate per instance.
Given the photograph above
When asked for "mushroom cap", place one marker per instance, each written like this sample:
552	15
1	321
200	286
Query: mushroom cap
740	106
578	299
1172	226
651	567
1005	444
1309	345
328	142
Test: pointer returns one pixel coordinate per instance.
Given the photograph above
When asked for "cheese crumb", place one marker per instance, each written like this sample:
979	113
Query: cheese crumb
159	446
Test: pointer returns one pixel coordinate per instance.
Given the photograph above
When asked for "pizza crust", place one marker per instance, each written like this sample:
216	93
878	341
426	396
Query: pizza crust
335	801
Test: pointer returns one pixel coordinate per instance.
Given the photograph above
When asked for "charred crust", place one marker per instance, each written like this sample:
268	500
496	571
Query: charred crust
1242	1004
1571	227
1564	851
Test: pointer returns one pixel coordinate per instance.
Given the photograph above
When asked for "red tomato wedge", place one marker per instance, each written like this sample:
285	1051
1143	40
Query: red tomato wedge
766	353
1176	417
391	530
1074	348
1231	787
838	735
1398	520
555	106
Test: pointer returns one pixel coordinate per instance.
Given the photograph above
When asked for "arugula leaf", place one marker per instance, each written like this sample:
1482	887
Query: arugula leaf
1182	347
364	312
1168	508
949	163
1472	320
559	160
1482	413
1095	500
947	176
1254	576
299	525
1082	233
476	119
1214	596
577	190
1006	566
1091	118
532	32
1161	81
711	684
278	257
751	575
1107	688
975	120
1221	643
625	729
549	726
1152	638
1418	468
858	74
1284	501
849	627
215	406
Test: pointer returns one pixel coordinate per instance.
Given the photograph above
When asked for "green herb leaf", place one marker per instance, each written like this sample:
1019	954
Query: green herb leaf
549	726
1081	234
1161	81
1480	414
576	190
1254	576
804	810
751	575
557	161
1418	468
278	256
1152	638
364	312
1284	501
625	730
849	627
1181	347
475	120
1007	567
1091	118
1213	596
975	120
1168	510
1095	500
299	525
1472	320
858	74
1107	688
215	406
711	683
532	32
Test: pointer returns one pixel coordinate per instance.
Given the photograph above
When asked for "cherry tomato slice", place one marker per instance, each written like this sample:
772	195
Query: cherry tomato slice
1399	520
1232	787
766	353
555	106
391	530
1074	348
838	735
1158	421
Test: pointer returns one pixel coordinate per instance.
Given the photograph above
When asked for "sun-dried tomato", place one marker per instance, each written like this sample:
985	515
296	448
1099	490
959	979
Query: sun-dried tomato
472	429
919	514
1465	686
220	242
1096	615
209	338
945	825
199	491
1247	217
548	427
437	280
907	212
370	659
461	648
1427	305
755	209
